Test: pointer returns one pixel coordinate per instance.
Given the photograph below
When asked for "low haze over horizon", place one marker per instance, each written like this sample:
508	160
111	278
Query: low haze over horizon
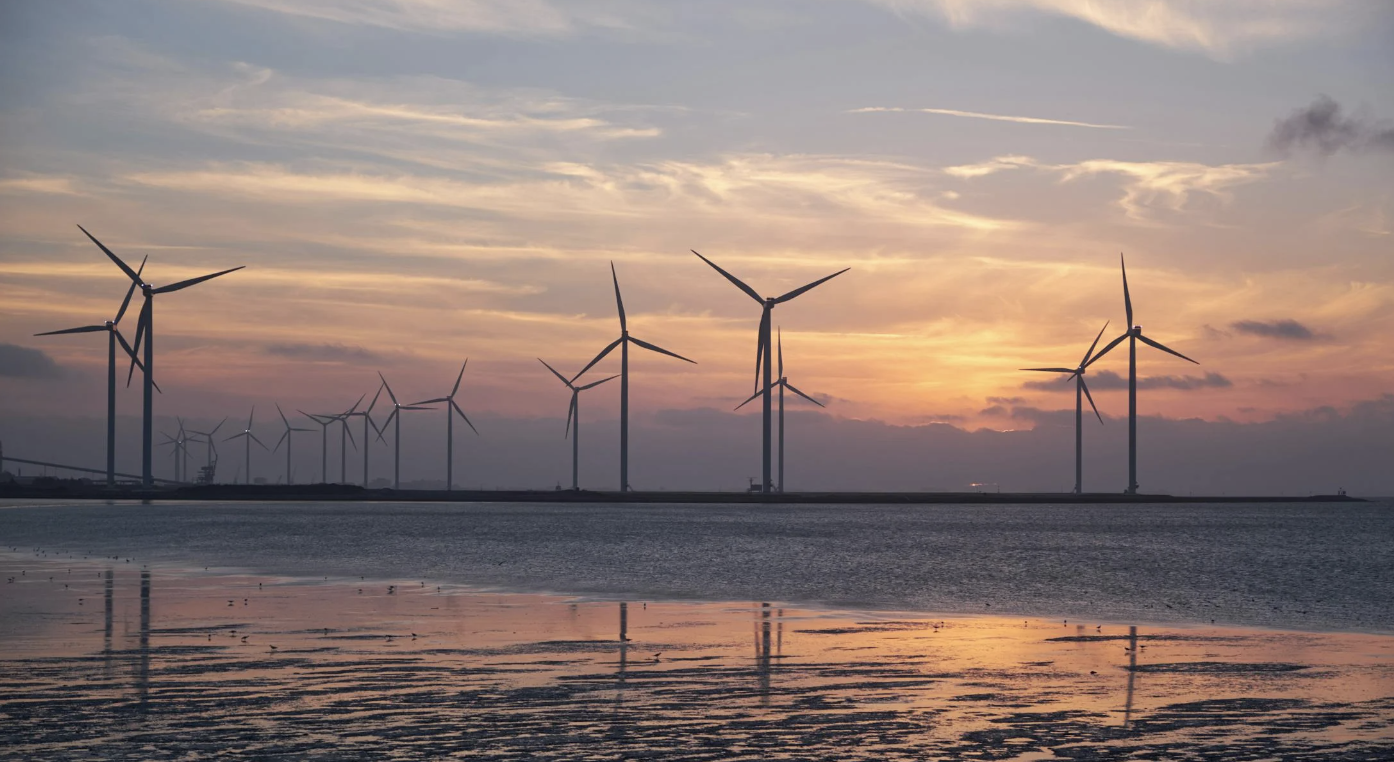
413	182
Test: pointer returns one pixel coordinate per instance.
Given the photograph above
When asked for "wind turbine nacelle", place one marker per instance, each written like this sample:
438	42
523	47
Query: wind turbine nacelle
1137	330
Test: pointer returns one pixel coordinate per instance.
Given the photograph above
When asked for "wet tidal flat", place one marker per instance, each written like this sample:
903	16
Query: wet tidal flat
104	659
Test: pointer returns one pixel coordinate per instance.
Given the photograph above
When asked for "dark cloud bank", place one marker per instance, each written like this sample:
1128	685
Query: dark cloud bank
1323	128
1316	451
1275	329
1106	380
23	362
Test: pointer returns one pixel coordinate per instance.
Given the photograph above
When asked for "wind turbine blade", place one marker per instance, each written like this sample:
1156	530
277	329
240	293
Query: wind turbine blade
374	403
459	377
142	325
413	407
624	326
81	329
348	430
193	281
355	405
284	434
431	402
570	411
310	430
258	441
596	383
1106	349
135	278
1169	350
283	415
129	292
374	424
754	397
1085	387
392	396
760	346
554	372
798	291
781	352
598	358
249	417
465	417
1085	361
795	390
1051	370
235	436
1127	299
385	424
215	428
747	289
661	350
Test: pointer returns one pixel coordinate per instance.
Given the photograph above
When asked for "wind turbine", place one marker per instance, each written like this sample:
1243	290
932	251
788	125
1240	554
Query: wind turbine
367	421
211	450
623	343
285	437
180	454
782	383
145	329
323	421
397	433
1134	335
763	350
113	336
1081	390
574	411
250	438
451	408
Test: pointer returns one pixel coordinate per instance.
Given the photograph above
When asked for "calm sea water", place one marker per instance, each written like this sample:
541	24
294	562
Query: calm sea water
1290	566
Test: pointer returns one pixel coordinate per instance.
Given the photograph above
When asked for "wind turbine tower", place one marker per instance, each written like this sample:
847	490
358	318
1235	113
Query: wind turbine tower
763	352
145	329
623	343
1134	335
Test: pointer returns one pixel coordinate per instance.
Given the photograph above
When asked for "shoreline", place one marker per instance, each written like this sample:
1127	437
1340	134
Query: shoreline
156	662
64	490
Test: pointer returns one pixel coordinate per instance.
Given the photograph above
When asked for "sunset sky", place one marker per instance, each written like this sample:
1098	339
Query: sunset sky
413	182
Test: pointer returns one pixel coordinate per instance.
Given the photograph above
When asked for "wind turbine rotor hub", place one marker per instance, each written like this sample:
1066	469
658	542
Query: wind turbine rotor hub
1137	330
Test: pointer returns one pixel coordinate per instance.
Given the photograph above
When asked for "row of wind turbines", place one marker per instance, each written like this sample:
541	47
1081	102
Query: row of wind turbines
769	350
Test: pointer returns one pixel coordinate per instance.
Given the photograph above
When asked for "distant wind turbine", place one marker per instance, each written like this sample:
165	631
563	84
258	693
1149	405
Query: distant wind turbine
574	411
1134	335
623	343
210	449
367	417
113	336
782	383
396	413
145	330
248	438
285	437
1081	390
451	410
764	349
324	421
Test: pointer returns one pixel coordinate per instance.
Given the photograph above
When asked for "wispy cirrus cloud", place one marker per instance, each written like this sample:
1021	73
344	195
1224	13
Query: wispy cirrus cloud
1219	29
992	117
775	188
1146	184
511	17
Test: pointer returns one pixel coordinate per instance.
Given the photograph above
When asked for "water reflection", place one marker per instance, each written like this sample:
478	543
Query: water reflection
143	664
1132	675
106	638
764	655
